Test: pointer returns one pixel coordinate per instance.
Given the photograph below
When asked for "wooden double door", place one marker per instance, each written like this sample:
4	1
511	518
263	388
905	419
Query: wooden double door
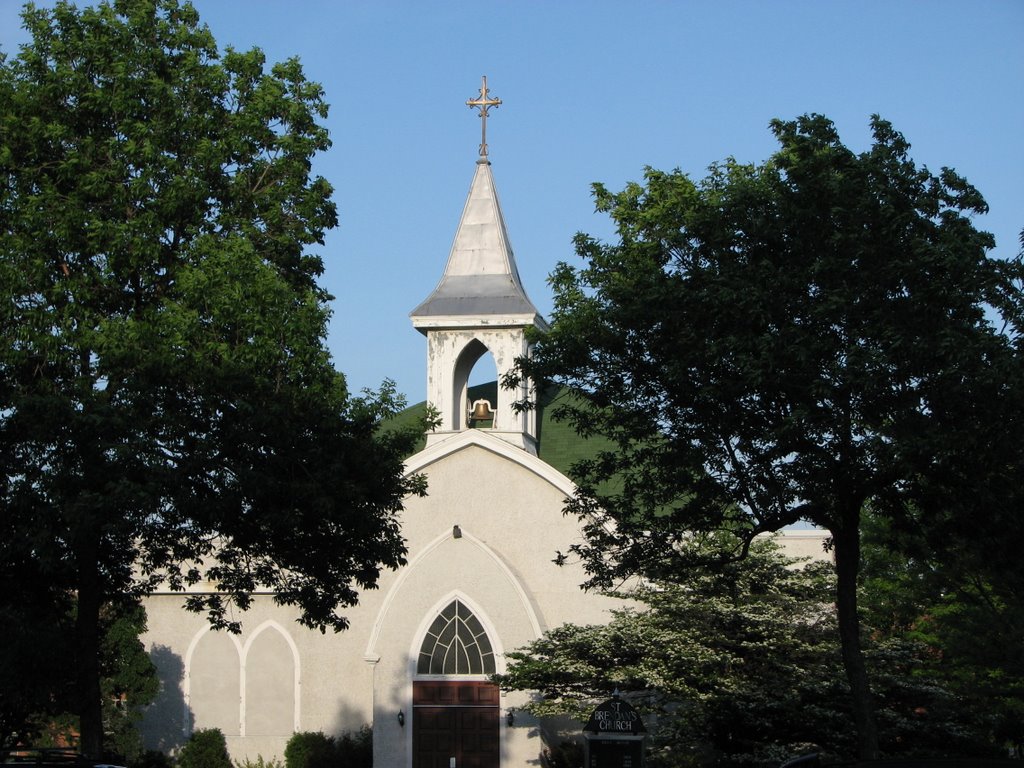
455	721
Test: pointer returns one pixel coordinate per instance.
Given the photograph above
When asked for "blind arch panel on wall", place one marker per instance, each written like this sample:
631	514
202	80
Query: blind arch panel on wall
456	644
214	680
270	685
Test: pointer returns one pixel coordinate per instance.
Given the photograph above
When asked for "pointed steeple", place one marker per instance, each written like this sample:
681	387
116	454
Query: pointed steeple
478	306
480	279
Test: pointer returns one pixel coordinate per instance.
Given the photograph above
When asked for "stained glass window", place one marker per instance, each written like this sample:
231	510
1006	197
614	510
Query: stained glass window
456	644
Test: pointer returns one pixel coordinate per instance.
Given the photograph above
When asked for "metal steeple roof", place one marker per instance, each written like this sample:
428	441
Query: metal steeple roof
481	284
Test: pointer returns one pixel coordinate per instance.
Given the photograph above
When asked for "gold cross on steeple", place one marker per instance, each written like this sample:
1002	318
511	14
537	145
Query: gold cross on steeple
483	104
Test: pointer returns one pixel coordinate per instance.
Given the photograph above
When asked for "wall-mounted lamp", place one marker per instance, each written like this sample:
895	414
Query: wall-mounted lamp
510	718
401	719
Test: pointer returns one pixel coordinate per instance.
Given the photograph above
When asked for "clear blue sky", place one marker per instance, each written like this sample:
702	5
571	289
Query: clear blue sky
594	91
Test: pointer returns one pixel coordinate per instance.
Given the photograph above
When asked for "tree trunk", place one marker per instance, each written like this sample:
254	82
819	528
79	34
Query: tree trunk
87	651
847	550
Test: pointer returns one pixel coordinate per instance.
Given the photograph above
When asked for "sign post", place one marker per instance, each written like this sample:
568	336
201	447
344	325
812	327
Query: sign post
614	736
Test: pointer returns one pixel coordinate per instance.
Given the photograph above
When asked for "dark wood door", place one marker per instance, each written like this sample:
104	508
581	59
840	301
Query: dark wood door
455	720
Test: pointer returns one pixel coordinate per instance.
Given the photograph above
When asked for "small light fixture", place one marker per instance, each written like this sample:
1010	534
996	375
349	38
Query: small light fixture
456	532
401	719
510	718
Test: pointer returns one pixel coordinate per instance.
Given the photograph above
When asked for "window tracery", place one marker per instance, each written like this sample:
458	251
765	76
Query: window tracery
456	644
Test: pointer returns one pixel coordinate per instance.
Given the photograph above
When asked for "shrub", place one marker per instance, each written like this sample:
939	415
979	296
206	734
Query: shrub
310	749
259	762
206	748
151	758
355	749
568	754
313	749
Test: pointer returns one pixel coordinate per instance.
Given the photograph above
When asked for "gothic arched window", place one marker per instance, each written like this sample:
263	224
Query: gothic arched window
456	644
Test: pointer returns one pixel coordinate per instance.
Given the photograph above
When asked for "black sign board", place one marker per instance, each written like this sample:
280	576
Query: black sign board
615	716
623	752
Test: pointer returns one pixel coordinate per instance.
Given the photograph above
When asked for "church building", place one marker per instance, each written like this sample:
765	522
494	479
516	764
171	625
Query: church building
480	579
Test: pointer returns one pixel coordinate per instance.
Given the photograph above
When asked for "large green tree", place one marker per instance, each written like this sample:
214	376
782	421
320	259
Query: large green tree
797	340
168	410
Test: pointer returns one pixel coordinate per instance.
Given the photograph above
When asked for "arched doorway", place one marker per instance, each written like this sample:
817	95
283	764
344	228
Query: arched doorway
455	708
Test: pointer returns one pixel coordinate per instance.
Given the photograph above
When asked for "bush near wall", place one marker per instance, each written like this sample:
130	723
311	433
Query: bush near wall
206	748
314	749
259	762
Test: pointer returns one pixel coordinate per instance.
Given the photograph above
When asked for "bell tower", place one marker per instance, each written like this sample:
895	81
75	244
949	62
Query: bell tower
478	306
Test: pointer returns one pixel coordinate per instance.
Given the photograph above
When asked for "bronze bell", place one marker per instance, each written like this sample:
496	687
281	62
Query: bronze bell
482	411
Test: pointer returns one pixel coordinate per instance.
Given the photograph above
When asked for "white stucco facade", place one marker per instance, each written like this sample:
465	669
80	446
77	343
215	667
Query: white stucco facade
486	534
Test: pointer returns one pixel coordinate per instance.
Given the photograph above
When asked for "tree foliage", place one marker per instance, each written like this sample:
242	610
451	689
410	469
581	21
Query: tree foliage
128	679
38	671
796	340
169	413
741	666
946	600
38	623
